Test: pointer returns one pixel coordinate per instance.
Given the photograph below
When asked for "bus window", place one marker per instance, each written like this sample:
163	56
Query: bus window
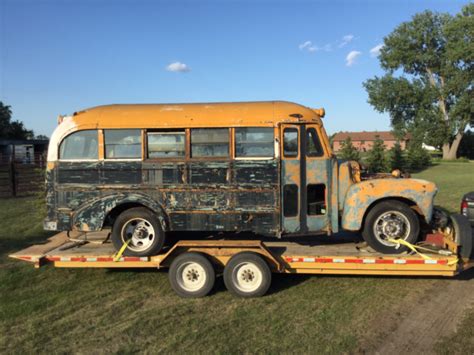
167	144
210	142
313	145
80	145
123	144
254	142
290	142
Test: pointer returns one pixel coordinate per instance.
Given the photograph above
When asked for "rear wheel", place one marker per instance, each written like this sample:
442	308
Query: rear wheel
247	275
141	229
463	235
191	275
390	220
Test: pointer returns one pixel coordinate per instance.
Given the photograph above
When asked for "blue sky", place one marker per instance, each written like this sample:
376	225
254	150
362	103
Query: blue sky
57	57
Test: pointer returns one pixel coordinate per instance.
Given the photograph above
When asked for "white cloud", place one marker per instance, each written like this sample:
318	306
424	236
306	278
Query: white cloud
351	57
308	45
178	67
374	52
345	40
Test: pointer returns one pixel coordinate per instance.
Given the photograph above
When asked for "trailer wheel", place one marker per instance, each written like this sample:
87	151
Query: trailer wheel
247	275
390	219
192	275
463	234
141	229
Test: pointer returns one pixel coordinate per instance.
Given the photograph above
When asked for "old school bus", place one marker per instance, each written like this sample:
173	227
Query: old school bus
261	167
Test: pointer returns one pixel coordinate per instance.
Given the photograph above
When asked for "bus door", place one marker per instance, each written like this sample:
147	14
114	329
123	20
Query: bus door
304	180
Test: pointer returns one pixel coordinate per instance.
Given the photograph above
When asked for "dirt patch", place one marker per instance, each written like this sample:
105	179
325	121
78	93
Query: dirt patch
421	319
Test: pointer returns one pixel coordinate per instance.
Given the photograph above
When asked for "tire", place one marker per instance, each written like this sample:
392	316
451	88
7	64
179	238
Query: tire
390	219
192	275
143	228
247	275
463	235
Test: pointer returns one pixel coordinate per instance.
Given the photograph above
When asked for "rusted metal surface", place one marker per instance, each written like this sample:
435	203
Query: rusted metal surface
362	195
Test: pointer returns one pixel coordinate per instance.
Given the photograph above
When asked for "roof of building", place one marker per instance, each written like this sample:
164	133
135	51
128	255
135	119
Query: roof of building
228	114
365	136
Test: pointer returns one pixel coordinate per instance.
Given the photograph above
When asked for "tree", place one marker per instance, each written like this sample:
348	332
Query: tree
376	161
42	137
417	157
433	96
396	157
348	151
12	129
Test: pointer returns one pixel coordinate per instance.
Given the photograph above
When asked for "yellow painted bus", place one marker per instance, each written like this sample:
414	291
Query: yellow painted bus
262	167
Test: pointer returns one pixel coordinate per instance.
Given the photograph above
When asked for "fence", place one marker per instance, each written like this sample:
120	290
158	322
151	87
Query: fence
21	177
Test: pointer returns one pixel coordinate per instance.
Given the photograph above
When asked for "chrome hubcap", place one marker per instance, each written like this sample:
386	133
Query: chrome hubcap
391	225
139	233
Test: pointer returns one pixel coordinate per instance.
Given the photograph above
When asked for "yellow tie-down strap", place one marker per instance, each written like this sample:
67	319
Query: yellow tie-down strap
122	249
415	248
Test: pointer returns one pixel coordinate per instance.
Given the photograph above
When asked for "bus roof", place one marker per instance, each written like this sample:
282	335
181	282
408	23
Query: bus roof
232	114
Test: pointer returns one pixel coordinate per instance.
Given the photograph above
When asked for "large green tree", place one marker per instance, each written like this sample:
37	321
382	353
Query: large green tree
12	129
428	87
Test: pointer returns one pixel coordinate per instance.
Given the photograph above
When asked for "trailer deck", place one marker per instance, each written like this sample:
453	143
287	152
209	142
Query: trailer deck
345	257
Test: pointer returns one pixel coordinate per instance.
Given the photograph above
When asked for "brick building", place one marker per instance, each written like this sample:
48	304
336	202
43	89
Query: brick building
363	141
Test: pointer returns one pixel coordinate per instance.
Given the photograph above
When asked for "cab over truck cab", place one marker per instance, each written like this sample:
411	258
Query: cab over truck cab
261	167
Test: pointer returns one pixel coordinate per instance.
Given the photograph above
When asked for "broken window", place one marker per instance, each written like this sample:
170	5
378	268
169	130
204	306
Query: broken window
290	142
210	142
123	143
82	145
254	142
169	144
316	195
313	144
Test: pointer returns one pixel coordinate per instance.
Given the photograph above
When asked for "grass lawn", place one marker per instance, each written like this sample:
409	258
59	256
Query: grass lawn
68	310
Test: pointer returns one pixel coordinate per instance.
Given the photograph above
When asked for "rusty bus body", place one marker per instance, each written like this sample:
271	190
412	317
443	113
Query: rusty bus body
295	187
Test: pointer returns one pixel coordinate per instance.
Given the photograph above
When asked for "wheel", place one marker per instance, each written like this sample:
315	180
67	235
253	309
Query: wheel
141	228
247	275
192	275
390	219
463	235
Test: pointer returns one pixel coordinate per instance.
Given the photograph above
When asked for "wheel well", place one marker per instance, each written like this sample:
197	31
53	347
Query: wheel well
407	201
117	210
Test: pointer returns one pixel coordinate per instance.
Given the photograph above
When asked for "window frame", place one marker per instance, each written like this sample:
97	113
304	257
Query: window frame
122	159
321	145
234	135
230	143
298	140
60	159
183	158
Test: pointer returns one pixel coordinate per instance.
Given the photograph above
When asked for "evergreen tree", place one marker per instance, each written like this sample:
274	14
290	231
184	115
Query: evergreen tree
376	161
348	151
396	157
417	157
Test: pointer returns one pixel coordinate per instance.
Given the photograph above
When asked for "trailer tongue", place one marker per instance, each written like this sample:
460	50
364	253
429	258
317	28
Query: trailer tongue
247	264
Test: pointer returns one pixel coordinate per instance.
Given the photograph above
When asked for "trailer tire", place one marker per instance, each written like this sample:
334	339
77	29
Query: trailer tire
142	227
247	275
390	217
192	275
463	235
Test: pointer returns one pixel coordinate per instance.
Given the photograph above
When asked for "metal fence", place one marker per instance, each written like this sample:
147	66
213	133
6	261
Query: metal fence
23	176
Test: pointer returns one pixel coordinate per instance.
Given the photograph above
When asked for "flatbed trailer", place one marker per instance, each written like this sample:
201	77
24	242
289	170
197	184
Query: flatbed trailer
246	265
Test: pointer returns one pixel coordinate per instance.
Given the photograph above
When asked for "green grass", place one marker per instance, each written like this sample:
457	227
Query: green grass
126	311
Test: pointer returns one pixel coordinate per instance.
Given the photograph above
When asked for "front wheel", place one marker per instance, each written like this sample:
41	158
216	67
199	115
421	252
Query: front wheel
390	220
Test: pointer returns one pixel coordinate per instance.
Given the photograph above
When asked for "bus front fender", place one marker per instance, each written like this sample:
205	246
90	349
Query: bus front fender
361	196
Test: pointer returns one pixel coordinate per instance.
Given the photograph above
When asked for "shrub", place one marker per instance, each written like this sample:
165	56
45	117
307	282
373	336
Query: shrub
348	151
376	160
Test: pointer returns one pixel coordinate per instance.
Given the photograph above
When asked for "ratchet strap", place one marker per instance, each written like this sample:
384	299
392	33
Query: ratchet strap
415	248
122	249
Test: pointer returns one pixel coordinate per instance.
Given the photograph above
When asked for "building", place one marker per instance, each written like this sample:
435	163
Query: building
363	141
27	151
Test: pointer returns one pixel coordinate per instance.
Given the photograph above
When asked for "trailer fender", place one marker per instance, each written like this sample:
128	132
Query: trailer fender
91	215
361	196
